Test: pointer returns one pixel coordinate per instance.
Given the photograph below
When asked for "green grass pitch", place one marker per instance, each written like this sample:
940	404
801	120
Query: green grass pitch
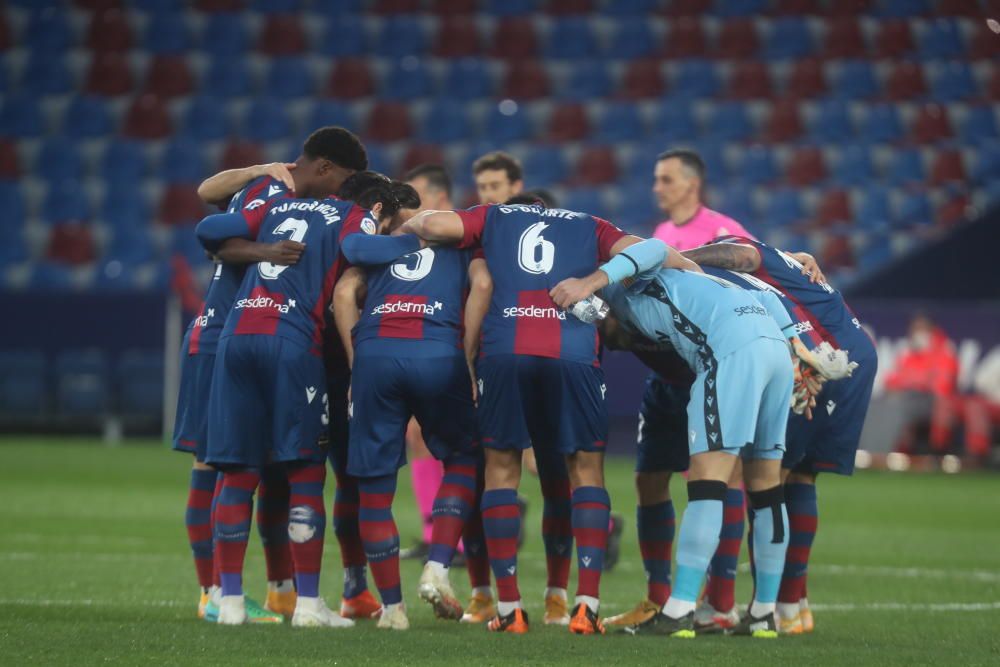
94	567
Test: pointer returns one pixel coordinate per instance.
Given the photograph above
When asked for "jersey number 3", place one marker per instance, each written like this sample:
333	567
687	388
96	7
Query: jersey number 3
535	254
296	230
415	266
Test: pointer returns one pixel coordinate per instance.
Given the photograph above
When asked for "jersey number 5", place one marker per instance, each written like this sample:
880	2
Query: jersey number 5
535	254
296	230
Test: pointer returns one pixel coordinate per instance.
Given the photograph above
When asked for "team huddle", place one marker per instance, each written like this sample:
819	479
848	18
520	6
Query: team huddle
343	307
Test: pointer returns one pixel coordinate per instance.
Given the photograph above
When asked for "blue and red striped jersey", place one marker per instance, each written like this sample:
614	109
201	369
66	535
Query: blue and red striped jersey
530	249
207	326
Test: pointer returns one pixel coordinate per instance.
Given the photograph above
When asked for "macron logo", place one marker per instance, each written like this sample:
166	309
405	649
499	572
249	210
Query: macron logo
830	407
310	394
274	190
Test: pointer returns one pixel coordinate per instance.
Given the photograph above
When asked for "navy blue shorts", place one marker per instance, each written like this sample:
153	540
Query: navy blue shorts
386	390
268	404
191	421
337	383
662	439
829	441
529	401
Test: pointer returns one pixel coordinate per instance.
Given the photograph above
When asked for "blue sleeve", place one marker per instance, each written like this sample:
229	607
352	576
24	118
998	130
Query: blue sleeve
371	249
777	311
215	229
638	258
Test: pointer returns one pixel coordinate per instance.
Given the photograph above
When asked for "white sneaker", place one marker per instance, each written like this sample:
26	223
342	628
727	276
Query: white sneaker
313	613
394	618
232	610
708	620
436	589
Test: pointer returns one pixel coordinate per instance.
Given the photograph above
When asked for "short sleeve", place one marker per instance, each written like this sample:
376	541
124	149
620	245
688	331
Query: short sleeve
607	235
473	224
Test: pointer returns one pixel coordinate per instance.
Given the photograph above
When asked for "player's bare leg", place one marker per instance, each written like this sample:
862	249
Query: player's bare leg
590	517
794	614
502	520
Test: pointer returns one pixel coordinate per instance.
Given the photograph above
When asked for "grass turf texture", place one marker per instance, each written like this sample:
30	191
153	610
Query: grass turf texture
96	568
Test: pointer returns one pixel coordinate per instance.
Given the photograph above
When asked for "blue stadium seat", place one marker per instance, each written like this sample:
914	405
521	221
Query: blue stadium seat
783	208
639	166
570	38
130	245
266	120
637	206
855	80
674	122
167	33
586	200
445	121
789	38
14	250
123	162
125	209
881	124
942	40
902	8
875	211
468	79
339	7
876	252
59	159
402	35
224	36
183	162
344	36
228	77
757	166
5	84
587	80
21	117
277	6
545	166
46	74
696	78
992	194
737	202
712	152
511	7
832	123
186	244
48	31
409	78
23	376
82	383
207	119
954	81
502	128
48	276
87	117
115	275
379	159
986	167
331	112
140	382
729	121
632	38
620	122
906	167
289	77
159	5
914	209
12	205
853	168
66	201
735	8
628	7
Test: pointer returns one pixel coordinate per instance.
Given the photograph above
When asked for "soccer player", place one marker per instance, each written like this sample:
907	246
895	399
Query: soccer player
408	361
498	176
539	379
827	442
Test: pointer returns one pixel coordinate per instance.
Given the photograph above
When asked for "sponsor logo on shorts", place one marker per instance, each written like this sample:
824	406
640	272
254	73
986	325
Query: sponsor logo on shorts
265	302
407	307
202	320
750	310
534	311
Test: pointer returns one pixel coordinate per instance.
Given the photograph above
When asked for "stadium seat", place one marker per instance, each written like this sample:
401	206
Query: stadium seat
620	122
388	121
446	121
688	8
586	200
954	81
344	37
82	384
834	207
504	126
46	74
289	77
993	85
114	275
807	79
639	165
853	167
756	166
713	153
511	7
843	38
23	383
546	165
12	204
5	40
674	123
228	78
979	123
568	122
738	203
125	210
390	7
902	8
941	40
729	121
401	35
167	34
109	31
905	167
525	80
58	160
906	82
953	210
130	246
596	166
48	31
875	210
109	75
418	154
737	40
10	163
984	44
240	153
184	243
685	39
409	78
806	167
570	38
66	202
468	79
855	80
457	37
350	78
514	38
48	276
631	38
628	7
893	39
914	210
587	80
183	162
881	124
180	204
642	79
832	122
448	8
71	243
788	39
206	119
168	77
931	124
282	35
154	5
332	112
380	159
783	123
147	118
987	164
21	117
225	36
266	119
696	78
564	7
947	166
783	208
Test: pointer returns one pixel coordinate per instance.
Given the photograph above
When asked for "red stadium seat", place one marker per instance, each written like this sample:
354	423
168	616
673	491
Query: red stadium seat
350	78
844	39
4	32
947	167
219	5
98	5
966	8
906	82
834	207
596	166
147	118
749	80
109	75
993	85
568	123
784	122
388	121
447	8
181	205
953	211
71	244
238	154
390	7
686	39
806	167
931	125
457	37
282	36
525	80
797	7
894	39
808	79
514	38
736	40
169	76
10	167
109	31
419	154
848	7
837	253
565	7
985	44
696	8
643	78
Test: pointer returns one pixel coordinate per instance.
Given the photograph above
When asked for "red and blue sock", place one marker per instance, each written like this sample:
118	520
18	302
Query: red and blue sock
477	559
306	524
800	500
557	524
346	504
455	497
380	536
232	526
502	522
198	519
657	526
272	523
722	571
591	513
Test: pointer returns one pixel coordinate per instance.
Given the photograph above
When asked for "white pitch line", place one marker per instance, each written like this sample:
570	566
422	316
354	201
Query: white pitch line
901	572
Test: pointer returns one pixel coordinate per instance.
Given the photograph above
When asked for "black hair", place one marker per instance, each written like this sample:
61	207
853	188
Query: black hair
688	158
393	195
502	161
435	174
537	196
338	145
359	182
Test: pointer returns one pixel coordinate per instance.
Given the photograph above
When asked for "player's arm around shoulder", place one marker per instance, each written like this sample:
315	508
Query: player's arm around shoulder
732	256
242	251
436	226
348	296
630	256
217	190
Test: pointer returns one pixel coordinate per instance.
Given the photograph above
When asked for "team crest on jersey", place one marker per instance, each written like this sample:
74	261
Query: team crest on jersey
368	226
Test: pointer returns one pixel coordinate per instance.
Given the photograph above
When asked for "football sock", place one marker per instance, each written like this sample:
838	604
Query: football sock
502	521
455	497
770	540
656	540
477	560
557	523
380	536
427	475
216	573
198	519
232	526
591	509
800	500
346	503
307	525
696	542
722	571
272	523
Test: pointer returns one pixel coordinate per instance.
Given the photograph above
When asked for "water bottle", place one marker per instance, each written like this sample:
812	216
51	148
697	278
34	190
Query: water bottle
590	310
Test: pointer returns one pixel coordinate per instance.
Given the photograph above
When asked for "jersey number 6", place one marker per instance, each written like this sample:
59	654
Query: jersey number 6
535	254
296	230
